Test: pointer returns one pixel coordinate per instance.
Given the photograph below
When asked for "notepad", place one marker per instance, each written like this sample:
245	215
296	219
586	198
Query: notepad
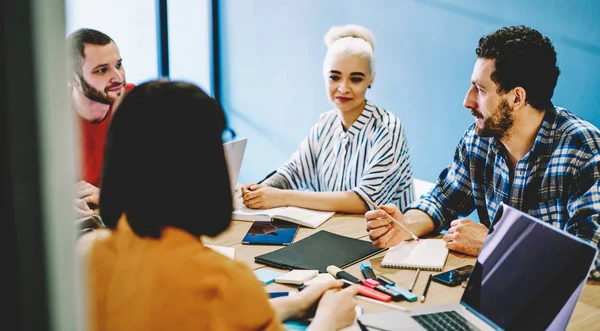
267	276
227	251
296	277
426	254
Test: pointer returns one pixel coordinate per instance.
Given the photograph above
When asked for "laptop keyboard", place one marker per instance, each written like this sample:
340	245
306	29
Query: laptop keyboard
447	320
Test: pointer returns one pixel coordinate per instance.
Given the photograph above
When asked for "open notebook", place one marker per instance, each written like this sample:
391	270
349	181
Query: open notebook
426	254
302	216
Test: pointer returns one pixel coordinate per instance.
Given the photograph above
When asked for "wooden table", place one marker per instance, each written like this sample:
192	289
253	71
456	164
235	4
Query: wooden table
585	317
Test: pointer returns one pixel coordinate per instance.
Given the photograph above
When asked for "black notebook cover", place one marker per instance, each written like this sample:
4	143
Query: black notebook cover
318	251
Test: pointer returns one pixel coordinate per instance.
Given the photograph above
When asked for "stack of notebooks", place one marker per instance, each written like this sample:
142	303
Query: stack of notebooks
318	251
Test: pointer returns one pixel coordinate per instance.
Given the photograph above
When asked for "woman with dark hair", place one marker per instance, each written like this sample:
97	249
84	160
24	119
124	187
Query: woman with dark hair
149	270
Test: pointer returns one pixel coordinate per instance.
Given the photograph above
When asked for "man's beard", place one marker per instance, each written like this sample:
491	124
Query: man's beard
497	125
96	95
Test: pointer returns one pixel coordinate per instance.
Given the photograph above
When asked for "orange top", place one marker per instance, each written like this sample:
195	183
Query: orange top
171	283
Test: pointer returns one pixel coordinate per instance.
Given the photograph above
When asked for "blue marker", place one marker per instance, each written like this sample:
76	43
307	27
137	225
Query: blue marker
409	296
367	271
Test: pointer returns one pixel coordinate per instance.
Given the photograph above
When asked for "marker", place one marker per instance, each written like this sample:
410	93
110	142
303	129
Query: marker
409	296
367	271
368	292
385	281
414	281
392	219
426	288
341	274
370	283
281	294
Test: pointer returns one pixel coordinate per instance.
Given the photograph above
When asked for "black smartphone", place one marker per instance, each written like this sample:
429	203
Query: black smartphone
276	232
453	277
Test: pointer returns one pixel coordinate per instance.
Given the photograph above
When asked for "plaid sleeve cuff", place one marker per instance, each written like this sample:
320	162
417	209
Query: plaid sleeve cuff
434	210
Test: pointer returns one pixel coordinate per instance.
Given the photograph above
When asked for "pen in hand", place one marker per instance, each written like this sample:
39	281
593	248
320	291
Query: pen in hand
372	204
414	281
426	288
267	176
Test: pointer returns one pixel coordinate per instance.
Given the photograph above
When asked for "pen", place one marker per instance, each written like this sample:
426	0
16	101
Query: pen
389	305
414	281
372	204
267	176
426	288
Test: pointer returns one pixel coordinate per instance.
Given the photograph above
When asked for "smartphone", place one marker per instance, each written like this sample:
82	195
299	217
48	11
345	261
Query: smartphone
453	277
276	232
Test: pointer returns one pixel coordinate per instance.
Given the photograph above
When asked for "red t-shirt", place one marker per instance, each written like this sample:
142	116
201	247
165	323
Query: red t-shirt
93	139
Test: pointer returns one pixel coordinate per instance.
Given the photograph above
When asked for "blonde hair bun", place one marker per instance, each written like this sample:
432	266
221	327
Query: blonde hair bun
355	31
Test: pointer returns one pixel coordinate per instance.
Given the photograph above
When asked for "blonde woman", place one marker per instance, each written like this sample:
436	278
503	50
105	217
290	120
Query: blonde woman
356	151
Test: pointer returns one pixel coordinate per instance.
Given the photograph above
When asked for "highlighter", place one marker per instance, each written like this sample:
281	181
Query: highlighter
341	274
368	292
370	283
367	271
409	296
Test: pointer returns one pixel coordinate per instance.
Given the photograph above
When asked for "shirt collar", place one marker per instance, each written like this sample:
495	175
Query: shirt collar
543	141
358	125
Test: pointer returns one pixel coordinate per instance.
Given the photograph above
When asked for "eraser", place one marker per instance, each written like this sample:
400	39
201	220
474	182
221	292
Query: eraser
296	277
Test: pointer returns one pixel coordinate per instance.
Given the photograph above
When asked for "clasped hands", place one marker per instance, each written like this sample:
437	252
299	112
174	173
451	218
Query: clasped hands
258	196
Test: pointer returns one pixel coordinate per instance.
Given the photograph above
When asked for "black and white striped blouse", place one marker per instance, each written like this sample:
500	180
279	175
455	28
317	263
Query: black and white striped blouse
371	158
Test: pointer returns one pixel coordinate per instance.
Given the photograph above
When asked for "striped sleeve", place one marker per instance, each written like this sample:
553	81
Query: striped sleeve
387	175
300	171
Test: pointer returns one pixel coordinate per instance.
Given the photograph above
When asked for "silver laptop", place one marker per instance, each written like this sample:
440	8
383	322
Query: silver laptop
234	154
528	276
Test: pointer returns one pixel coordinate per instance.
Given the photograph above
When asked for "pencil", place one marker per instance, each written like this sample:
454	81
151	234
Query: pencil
426	288
414	281
377	302
372	204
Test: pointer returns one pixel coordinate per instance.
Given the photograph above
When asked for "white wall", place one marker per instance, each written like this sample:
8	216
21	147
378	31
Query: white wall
131	24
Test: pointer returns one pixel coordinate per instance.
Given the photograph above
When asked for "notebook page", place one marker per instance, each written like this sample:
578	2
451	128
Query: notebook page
427	254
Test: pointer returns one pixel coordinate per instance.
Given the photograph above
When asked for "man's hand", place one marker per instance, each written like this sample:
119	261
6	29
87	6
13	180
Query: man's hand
465	236
88	193
382	231
82	209
257	196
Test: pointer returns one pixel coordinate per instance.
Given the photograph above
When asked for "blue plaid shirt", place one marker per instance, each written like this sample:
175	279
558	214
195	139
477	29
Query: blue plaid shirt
558	181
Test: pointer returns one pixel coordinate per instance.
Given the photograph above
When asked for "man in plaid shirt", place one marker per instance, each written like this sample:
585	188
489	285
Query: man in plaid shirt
521	150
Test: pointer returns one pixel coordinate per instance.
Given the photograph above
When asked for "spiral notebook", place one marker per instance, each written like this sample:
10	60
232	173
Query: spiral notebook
318	251
426	254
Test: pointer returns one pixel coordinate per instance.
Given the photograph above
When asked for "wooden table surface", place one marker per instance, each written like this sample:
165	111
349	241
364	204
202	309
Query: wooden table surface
585	317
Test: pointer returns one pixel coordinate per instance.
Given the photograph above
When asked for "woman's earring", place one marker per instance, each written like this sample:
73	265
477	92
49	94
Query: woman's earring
369	86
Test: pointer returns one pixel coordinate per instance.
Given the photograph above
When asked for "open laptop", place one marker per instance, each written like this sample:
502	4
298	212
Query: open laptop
528	276
234	154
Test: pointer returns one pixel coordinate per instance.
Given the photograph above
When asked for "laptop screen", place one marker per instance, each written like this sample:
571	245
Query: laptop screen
528	275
